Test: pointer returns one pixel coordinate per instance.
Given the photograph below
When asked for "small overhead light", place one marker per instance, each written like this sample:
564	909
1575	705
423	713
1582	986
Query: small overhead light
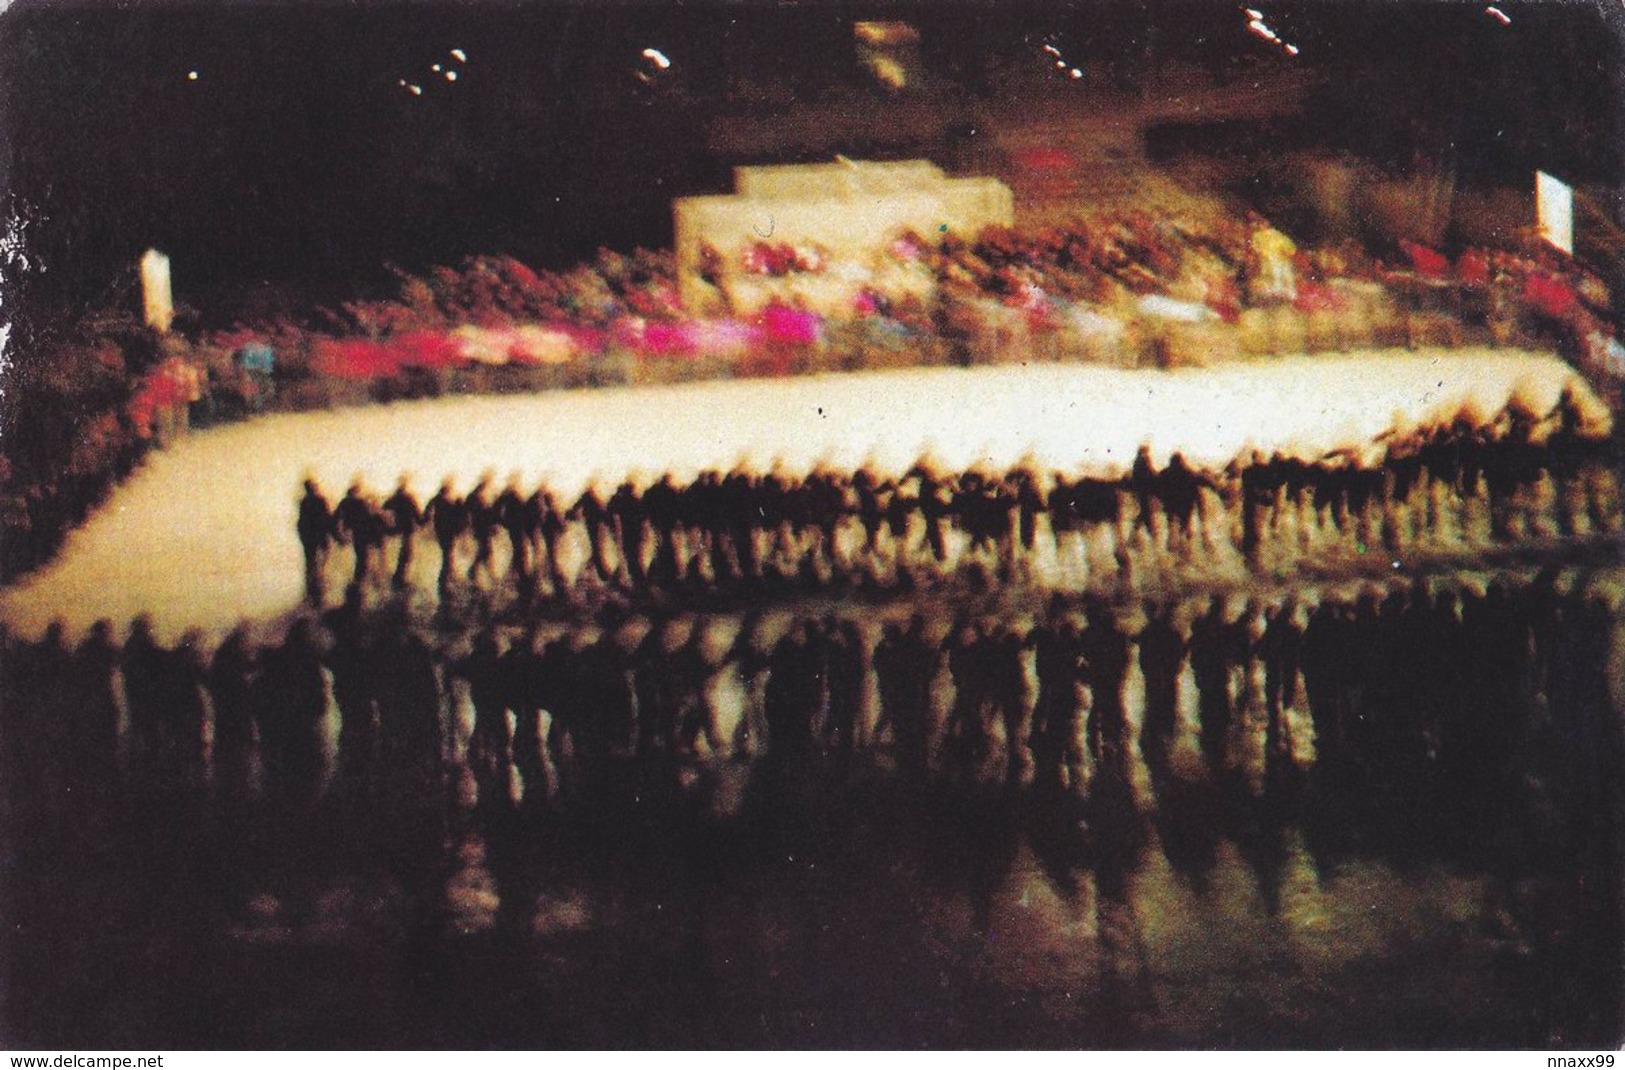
1292	50
657	57
1052	50
459	55
1254	13
191	76
1075	73
1061	63
451	76
435	68
415	90
1499	15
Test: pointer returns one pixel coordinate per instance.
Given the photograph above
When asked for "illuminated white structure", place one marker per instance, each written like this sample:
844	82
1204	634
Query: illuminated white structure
1554	209
843	219
157	300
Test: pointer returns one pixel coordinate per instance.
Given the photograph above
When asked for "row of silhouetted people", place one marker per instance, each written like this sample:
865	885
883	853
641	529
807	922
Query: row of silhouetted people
722	529
1407	675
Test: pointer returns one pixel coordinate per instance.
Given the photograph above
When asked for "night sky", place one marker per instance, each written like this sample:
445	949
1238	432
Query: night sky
300	156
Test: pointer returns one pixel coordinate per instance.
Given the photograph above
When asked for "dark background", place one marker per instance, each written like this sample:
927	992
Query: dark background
298	164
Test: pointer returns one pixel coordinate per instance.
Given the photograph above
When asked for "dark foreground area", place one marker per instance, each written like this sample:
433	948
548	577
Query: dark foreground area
1440	868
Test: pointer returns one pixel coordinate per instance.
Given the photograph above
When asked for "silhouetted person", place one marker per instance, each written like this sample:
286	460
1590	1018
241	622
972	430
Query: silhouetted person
626	508
410	715
96	737
905	664
231	681
145	667
357	519
1162	656
483	522
293	702
847	669
795	694
595	517
405	517
490	691
512	514
352	661
1213	650
447	514
1056	742
315	527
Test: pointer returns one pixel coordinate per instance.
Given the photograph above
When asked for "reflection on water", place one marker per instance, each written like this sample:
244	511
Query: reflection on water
1389	819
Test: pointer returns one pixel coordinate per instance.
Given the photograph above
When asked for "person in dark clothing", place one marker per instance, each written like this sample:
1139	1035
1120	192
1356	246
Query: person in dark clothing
231	683
968	730
1056	745
1282	648
1213	648
596	518
1162	657
352	660
315	527
847	669
185	709
1029	502
491	692
795	694
293	702
1144	484
545	528
357	519
145	666
530	669
1180	489
932	505
738	507
483	522
905	664
95	741
512	515
410	716
660	508
1106	652
448	515
405	516
626	509
868	490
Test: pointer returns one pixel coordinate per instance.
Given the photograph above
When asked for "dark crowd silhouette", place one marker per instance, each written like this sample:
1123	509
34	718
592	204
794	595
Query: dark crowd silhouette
1521	478
1399	684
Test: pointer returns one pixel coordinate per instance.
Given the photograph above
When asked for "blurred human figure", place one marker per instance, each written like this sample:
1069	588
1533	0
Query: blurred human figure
315	527
405	516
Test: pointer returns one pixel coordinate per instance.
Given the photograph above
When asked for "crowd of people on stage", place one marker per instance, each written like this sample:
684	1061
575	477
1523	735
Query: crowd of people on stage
720	530
1389	681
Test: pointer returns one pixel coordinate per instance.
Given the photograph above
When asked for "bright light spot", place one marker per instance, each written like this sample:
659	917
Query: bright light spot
1254	13
435	68
1261	30
657	57
451	76
1052	50
1292	50
1496	12
1061	63
1075	73
459	55
415	90
191	76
